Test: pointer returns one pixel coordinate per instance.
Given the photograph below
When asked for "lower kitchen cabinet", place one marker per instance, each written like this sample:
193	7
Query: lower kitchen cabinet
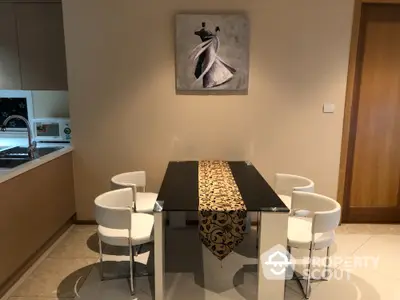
33	207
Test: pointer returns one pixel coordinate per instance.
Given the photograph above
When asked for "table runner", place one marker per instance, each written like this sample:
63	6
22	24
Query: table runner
222	211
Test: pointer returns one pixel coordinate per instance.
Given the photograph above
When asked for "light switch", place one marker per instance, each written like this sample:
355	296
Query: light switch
329	108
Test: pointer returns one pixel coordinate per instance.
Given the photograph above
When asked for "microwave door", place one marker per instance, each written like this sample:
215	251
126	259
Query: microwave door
47	131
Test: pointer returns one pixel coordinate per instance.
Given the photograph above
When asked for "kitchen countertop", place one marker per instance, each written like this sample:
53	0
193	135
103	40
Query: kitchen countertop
6	174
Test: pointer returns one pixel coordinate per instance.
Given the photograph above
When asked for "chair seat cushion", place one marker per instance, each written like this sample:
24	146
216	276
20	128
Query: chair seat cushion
287	200
299	234
142	231
145	202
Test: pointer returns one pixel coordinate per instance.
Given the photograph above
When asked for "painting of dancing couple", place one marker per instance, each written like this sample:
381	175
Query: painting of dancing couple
212	52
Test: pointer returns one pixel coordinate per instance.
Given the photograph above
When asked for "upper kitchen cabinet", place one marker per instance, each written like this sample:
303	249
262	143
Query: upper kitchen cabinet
41	46
10	76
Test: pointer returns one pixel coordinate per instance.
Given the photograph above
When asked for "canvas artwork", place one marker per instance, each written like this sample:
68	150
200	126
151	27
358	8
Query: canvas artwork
212	52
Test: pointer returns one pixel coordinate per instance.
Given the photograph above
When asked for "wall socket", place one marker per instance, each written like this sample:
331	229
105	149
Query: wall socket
328	108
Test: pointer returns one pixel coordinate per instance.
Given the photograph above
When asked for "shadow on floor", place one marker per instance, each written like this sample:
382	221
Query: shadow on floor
93	243
85	286
73	282
239	282
184	263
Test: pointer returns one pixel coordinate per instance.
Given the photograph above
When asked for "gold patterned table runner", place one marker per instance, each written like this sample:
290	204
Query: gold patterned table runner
222	211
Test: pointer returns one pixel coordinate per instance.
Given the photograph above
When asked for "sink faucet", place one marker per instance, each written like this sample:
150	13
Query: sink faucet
32	144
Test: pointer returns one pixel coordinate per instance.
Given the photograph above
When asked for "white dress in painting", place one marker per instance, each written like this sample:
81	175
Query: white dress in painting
210	68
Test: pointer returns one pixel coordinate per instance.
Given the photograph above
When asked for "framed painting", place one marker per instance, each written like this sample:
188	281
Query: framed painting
212	53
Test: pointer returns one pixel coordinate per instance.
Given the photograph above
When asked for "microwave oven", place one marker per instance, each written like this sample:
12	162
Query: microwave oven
51	130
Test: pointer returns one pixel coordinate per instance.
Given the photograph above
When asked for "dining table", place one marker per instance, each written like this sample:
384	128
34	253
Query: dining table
222	194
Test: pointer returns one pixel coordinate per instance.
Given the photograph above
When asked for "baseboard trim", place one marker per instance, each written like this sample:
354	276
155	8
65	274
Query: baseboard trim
14	277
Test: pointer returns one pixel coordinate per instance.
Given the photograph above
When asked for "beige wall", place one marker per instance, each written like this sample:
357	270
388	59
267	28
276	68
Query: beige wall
126	116
50	104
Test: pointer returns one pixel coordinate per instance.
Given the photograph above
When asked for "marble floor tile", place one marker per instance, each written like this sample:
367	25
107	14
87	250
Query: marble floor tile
89	229
341	252
371	229
81	242
381	253
183	281
115	289
178	286
56	278
357	284
74	264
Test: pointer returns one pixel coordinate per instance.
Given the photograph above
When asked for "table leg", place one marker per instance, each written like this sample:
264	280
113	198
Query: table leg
272	238
159	255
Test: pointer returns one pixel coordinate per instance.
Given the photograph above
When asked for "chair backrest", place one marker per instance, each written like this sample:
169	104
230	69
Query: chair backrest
114	209
285	184
129	179
326	211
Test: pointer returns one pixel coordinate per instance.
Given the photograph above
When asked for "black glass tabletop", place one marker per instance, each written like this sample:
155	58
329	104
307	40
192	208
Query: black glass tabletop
180	188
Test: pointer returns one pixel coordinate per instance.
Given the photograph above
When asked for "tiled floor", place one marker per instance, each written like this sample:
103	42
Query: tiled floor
70	271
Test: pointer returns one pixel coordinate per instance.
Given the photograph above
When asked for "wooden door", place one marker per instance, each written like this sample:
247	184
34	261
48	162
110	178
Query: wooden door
10	76
41	46
373	194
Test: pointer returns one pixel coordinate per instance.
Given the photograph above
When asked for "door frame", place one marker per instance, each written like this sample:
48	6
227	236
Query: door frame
350	109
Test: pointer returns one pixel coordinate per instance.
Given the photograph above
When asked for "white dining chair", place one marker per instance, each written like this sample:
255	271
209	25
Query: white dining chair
118	225
315	230
144	201
285	184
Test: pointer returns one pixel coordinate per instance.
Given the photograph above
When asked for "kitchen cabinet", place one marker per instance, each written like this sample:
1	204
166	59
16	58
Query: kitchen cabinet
34	206
10	76
32	47
41	46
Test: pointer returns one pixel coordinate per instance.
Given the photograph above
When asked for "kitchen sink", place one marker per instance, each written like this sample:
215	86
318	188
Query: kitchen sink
12	163
22	152
16	156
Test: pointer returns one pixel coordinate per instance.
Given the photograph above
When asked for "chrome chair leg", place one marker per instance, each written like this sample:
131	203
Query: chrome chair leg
298	277
289	252
134	270
101	260
326	275
131	263
308	284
